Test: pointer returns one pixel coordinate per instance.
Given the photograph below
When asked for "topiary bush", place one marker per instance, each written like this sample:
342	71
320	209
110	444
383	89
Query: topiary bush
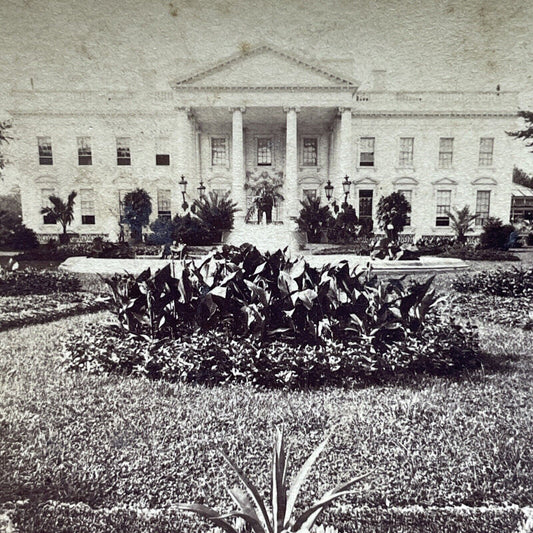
345	228
495	234
515	282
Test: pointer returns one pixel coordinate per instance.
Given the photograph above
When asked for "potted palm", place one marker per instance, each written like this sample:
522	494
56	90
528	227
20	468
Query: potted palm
62	212
265	191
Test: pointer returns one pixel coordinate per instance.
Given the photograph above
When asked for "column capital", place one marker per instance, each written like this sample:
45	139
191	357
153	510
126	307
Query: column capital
242	109
343	109
295	108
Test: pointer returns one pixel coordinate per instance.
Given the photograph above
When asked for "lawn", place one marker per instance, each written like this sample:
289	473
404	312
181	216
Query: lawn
109	441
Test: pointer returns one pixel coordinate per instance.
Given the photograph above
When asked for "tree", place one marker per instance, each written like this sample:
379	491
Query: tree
461	223
314	219
4	139
137	211
392	214
522	178
527	133
62	212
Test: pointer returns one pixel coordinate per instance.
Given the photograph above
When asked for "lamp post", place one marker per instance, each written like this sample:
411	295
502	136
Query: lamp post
346	188
201	189
183	186
329	190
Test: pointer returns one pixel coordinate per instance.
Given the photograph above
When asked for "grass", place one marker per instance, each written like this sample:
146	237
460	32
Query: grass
111	440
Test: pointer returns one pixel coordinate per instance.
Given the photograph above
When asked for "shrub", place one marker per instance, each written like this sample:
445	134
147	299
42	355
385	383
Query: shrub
392	214
191	230
515	282
461	223
433	244
216	212
529	239
472	253
14	234
345	228
62	212
137	211
495	234
32	281
314	219
162	229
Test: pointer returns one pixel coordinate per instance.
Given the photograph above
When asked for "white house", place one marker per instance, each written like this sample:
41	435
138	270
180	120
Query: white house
264	110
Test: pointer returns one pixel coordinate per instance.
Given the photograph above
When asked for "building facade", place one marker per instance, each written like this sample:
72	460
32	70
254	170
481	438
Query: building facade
263	111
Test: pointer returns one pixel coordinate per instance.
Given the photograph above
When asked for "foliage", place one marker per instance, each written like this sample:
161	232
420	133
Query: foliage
314	219
522	178
345	228
265	190
529	239
14	234
270	296
525	134
495	234
191	230
162	230
62	212
514	282
461	223
280	518
433	244
216	212
392	211
473	253
137	211
31	281
5	137
215	357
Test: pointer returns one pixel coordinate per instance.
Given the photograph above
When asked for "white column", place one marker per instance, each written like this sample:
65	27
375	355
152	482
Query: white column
291	163
184	151
346	144
237	161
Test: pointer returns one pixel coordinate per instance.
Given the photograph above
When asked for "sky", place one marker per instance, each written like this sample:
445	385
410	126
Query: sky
423	44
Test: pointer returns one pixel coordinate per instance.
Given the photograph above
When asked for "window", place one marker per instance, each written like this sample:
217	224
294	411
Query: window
123	151
310	194
87	206
45	202
365	206
408	196
482	207
163	204
486	148
162	152
406	151
445	152
444	199
84	151
219	152
264	152
310	152
366	152
45	150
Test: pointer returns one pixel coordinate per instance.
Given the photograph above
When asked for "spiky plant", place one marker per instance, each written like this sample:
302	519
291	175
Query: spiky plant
280	517
217	212
314	218
60	211
461	223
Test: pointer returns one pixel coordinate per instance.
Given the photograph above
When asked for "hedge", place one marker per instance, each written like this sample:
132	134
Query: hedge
80	518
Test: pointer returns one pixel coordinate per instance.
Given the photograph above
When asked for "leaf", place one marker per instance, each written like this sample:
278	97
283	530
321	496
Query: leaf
208	513
301	477
251	489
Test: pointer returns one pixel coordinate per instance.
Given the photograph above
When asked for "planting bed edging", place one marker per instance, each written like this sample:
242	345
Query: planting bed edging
81	518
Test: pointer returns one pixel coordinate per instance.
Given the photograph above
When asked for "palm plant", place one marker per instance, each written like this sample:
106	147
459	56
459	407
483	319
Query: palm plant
314	218
217	212
62	212
265	190
461	223
279	519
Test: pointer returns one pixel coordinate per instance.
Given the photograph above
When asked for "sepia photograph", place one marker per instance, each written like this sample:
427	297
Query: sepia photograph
266	266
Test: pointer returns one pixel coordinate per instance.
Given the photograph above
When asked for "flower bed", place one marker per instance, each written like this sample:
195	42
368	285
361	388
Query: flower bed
32	281
514	282
38	309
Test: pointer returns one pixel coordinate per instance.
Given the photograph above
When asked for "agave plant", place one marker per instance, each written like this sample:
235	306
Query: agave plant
279	517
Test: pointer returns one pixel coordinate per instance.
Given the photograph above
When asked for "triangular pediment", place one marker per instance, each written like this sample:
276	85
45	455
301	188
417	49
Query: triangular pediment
265	67
444	182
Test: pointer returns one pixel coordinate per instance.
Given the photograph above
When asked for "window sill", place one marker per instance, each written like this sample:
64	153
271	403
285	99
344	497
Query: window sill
405	169
364	169
445	169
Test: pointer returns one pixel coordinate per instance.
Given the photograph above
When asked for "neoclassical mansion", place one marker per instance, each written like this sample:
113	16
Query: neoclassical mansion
264	111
